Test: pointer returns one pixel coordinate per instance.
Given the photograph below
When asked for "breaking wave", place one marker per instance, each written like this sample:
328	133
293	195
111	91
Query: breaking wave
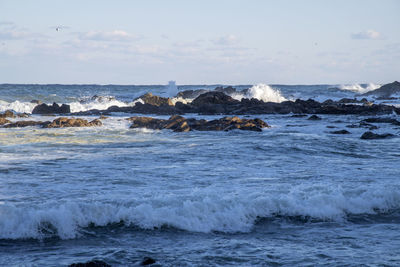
261	92
198	213
360	88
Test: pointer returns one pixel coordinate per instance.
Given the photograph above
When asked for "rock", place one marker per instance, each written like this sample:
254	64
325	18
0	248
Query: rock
180	124
35	101
71	122
212	98
94	263
382	120
4	121
371	135
340	132
227	90
191	94
385	91
314	118
147	261
151	99
102	117
55	108
7	114
298	115
24	124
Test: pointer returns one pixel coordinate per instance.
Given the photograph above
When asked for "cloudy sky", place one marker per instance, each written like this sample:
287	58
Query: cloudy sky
199	42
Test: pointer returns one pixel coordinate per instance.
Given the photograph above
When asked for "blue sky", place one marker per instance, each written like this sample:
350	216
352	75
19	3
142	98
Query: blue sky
199	42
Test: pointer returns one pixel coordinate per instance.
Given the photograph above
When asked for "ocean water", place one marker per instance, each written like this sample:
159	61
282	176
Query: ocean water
291	195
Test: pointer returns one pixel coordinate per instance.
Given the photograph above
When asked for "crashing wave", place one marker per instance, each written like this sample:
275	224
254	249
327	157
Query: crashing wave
262	92
358	88
201	213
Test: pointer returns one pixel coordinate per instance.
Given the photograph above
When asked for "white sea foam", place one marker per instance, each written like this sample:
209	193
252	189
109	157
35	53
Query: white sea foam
21	107
262	92
97	103
359	88
198	212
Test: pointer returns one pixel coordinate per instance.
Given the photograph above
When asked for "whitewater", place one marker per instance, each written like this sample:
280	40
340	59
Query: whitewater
293	194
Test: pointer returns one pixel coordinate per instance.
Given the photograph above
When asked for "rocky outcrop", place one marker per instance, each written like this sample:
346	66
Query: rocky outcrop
154	100
4	121
94	263
386	91
71	122
53	109
371	135
191	94
180	124
7	114
24	124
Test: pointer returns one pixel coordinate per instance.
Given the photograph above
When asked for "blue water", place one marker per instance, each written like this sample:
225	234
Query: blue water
294	194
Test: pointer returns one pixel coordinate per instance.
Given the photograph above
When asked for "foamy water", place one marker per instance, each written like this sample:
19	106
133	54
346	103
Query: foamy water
361	89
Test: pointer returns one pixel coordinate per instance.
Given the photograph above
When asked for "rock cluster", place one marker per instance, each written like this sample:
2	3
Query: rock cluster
51	109
154	100
56	123
180	124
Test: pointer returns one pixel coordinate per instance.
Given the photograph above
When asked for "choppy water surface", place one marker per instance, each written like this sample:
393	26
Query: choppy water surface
294	194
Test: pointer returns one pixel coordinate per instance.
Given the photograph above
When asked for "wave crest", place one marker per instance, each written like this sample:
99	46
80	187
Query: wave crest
261	92
358	88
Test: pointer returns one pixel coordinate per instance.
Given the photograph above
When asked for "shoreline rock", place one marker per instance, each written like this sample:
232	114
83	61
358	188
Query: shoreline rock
53	109
180	124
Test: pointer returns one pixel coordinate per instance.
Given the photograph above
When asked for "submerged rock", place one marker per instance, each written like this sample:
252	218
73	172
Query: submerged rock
55	108
340	132
382	120
314	118
371	135
147	261
24	124
94	263
71	122
180	124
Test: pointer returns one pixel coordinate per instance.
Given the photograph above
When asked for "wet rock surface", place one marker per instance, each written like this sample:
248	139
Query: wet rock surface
386	91
51	109
370	135
56	123
154	100
180	124
340	132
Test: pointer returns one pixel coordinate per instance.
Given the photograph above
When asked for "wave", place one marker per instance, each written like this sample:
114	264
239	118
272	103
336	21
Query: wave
261	92
359	88
197	213
100	103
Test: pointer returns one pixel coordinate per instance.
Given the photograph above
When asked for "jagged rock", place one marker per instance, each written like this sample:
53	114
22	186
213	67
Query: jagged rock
385	91
212	98
340	132
4	121
180	124
24	124
227	90
371	135
314	118
151	99
191	94
7	114
71	122
55	108
94	263
147	261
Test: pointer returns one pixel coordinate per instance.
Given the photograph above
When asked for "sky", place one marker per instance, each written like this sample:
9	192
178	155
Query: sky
199	42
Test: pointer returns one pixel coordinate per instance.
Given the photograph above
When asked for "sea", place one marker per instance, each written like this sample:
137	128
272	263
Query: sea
292	195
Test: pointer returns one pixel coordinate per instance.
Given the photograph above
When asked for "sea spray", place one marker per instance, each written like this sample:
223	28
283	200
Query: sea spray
261	92
359	88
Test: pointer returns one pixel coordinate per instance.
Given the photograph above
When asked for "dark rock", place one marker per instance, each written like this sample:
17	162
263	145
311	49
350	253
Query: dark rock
154	100
24	124
94	263
371	135
382	120
314	118
35	101
227	90
385	91
55	108
212	98
340	132
298	115
4	121
191	94
331	126
71	122
180	124
147	261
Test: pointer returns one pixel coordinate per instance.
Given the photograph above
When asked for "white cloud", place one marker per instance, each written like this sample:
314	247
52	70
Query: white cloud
369	34
18	35
226	40
115	35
